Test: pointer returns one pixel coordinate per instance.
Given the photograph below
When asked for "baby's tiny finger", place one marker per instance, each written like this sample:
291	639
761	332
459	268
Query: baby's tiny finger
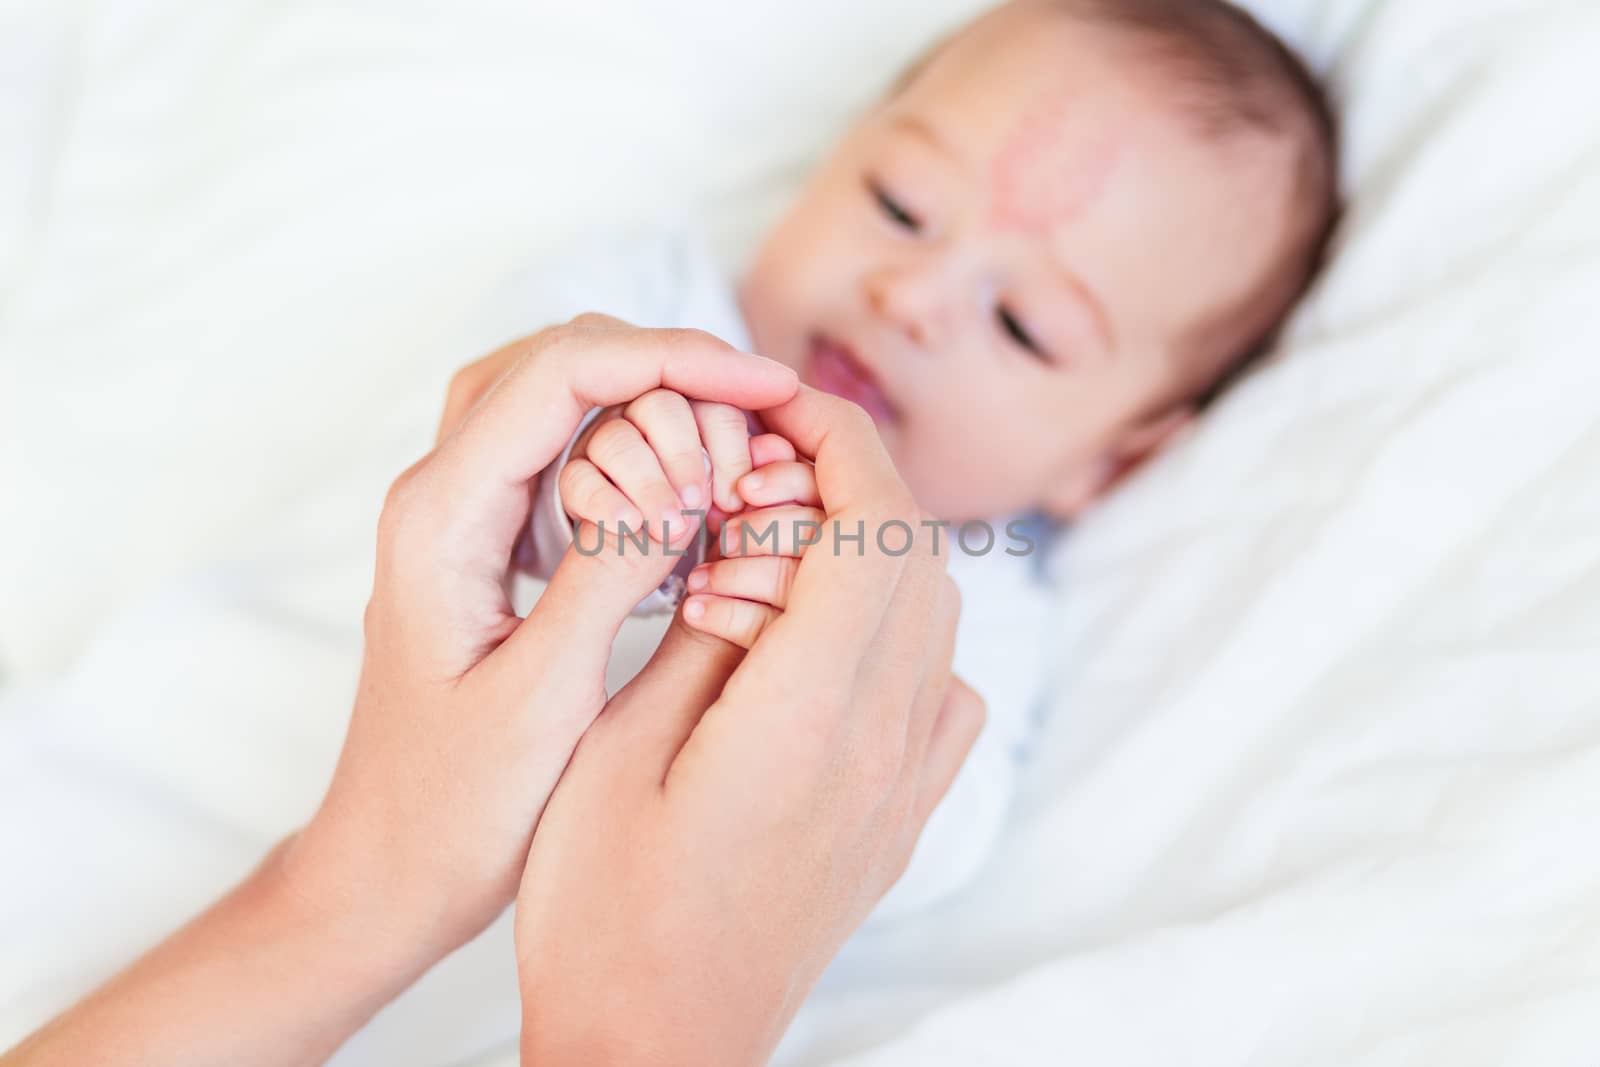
776	483
779	531
669	425
726	435
739	622
627	460
587	495
771	448
766	579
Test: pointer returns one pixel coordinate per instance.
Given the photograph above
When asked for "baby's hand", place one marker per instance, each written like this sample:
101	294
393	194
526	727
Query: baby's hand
640	464
736	597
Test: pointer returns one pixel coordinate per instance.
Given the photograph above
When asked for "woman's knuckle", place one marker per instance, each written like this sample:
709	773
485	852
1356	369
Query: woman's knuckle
397	500
464	382
403	521
556	337
689	337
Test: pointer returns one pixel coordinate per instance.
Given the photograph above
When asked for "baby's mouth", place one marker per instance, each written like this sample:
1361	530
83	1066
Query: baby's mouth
833	367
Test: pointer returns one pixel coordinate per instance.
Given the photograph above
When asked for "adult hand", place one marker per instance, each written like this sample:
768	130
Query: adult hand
729	819
463	721
466	714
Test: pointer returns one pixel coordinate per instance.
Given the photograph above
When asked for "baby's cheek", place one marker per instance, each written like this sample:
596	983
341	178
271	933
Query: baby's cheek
964	466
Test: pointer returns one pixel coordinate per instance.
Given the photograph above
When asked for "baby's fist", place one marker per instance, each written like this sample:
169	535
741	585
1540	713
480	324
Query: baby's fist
645	464
738	596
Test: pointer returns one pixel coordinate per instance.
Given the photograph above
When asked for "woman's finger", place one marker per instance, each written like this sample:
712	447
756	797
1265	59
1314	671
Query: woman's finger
622	454
863	494
551	379
955	729
911	688
762	578
726	435
777	483
588	495
936	679
738	622
669	425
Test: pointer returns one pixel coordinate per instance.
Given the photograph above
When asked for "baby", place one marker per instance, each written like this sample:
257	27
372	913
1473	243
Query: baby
1032	264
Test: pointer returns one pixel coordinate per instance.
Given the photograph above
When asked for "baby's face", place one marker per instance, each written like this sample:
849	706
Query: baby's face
1020	265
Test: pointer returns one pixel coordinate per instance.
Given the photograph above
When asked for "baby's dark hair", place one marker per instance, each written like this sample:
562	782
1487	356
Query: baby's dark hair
1240	80
1245	80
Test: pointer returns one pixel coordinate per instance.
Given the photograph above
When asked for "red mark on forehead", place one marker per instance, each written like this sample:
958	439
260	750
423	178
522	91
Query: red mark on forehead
1055	164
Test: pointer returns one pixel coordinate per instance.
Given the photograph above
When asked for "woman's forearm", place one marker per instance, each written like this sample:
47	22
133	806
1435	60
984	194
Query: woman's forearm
276	972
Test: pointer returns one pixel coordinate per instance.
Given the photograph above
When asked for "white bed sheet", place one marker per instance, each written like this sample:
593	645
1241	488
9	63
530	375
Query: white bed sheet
1320	777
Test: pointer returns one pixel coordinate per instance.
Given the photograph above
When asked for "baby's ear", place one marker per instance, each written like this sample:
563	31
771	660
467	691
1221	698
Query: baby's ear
1084	487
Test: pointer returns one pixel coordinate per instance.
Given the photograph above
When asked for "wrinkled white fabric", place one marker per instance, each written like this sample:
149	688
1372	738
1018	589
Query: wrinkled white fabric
1326	743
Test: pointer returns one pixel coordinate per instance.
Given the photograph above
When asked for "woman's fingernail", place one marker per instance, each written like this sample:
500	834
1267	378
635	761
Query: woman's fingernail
694	609
691	496
698	579
753	481
775	363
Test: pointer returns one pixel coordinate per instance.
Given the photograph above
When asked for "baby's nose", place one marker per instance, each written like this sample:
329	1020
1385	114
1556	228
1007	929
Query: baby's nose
915	302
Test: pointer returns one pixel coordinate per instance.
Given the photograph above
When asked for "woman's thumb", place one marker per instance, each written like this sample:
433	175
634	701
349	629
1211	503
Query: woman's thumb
596	586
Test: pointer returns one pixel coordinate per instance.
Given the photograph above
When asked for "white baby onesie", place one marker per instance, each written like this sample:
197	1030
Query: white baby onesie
670	277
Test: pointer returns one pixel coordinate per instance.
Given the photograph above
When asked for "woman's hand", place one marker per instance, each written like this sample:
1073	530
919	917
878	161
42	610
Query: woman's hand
463	721
466	714
730	818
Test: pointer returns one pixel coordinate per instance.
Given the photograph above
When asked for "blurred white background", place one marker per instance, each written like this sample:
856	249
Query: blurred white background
1326	739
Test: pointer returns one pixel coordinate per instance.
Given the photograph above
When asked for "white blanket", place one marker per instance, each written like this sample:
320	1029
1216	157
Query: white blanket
1319	781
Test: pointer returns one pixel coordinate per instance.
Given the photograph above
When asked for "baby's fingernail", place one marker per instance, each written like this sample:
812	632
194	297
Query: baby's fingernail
694	609
628	517
691	496
682	529
698	579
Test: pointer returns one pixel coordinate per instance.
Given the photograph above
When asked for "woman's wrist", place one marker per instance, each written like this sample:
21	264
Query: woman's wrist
646	1014
345	908
358	896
